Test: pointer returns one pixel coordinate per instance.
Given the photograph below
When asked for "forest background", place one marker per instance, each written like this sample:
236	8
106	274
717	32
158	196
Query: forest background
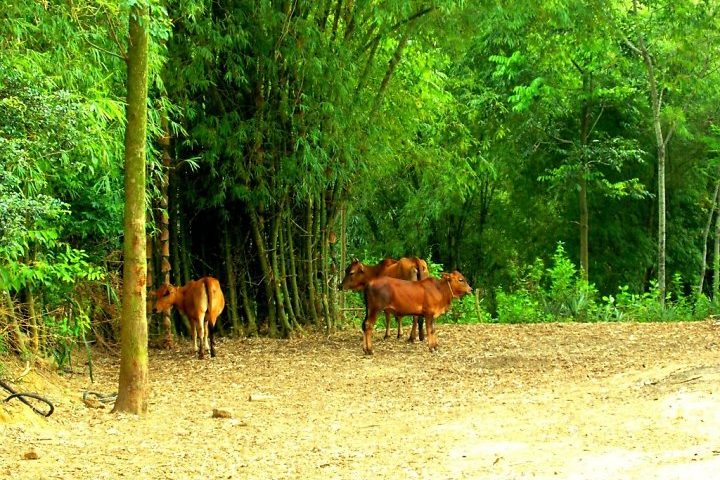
562	154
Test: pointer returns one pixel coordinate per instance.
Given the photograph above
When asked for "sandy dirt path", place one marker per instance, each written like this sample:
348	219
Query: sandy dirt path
567	401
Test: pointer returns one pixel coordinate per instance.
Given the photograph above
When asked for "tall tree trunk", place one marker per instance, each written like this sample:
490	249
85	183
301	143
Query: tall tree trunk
251	327
716	262
293	270
33	321
17	338
283	262
256	222
310	263
656	100
165	265
276	279
231	284
706	234
583	203
133	385
392	65
343	252
150	275
325	262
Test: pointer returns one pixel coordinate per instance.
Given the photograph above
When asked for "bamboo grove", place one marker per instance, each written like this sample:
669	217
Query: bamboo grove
285	137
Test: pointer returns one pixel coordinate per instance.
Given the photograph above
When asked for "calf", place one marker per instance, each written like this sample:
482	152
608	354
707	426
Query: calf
357	276
201	301
430	298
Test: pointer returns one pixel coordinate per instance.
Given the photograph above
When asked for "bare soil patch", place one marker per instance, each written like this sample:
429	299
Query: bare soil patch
585	401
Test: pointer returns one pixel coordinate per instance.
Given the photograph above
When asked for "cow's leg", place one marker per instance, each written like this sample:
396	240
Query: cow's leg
206	342
387	324
194	334
432	338
398	318
413	331
201	334
420	328
211	334
368	326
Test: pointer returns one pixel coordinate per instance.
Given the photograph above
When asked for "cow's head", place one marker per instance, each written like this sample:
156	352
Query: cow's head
458	284
355	278
165	297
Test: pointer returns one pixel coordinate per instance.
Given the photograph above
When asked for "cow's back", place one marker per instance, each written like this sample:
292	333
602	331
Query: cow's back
216	302
195	300
404	269
396	294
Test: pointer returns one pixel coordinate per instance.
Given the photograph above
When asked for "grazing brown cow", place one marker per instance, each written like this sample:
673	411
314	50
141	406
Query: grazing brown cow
430	298
357	276
201	301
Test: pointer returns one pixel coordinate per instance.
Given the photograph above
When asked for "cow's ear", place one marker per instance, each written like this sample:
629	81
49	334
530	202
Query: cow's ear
362	268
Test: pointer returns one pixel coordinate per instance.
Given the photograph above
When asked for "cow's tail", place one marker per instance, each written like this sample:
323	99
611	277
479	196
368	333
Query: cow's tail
365	295
210	325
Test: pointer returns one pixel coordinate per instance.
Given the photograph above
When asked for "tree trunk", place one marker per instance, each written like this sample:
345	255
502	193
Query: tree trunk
716	262
310	264
282	261
150	272
325	264
343	254
33	322
231	284
392	64
276	280
706	234
251	328
583	203
293	271
17	338
165	265
133	385
256	222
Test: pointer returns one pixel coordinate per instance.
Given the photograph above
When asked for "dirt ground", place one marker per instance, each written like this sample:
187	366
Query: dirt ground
575	401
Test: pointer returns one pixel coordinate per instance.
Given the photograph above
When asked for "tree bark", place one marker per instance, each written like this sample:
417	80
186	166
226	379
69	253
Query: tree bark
716	262
165	265
309	261
655	98
17	338
276	280
706	233
231	284
258	234
293	270
33	321
133	385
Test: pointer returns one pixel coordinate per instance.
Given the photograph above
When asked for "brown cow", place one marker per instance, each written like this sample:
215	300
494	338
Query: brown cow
201	301
430	298
357	276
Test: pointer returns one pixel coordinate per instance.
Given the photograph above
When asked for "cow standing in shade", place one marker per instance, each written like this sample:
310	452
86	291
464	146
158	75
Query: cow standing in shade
201	301
430	298
357	276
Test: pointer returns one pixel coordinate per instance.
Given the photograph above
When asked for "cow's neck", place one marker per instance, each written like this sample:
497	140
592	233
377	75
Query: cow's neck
447	293
180	296
373	270
452	294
